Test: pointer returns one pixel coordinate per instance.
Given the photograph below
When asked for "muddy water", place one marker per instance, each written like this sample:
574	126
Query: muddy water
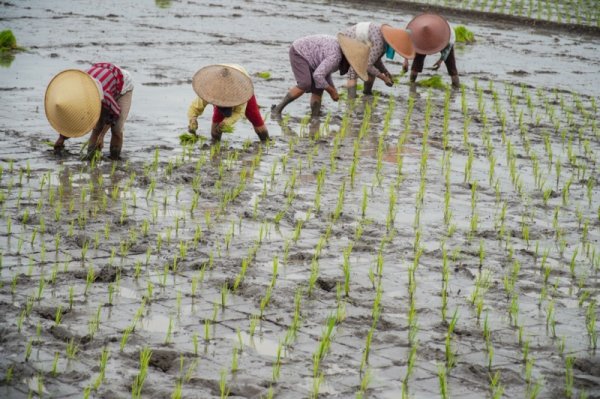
145	253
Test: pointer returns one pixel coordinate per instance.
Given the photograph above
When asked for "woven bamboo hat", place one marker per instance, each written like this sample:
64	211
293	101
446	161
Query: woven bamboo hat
399	40
430	33
222	85
73	103
357	54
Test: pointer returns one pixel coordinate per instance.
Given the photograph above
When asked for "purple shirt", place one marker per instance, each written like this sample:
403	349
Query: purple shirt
375	65
323	54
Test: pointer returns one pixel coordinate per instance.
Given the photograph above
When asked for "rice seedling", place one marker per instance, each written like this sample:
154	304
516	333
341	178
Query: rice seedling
590	323
569	362
364	202
450	354
443	381
72	348
138	382
550	321
434	82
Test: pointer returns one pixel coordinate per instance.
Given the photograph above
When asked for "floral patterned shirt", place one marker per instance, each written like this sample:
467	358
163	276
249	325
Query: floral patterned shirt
375	39
323	54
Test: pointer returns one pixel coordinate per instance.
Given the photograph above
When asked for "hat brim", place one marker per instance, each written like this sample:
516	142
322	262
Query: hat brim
73	103
399	40
430	33
222	85
357	54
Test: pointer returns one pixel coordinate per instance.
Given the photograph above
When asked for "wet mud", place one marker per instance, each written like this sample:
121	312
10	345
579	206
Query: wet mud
416	243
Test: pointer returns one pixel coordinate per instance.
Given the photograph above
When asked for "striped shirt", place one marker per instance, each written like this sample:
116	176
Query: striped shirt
110	78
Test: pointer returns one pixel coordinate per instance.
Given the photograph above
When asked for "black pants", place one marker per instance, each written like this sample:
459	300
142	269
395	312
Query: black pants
417	64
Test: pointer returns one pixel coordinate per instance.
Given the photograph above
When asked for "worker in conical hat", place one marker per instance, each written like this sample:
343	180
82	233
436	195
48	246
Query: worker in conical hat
99	99
229	89
430	34
381	39
314	59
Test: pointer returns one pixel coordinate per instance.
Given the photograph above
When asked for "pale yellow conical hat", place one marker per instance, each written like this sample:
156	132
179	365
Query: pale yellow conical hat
357	54
222	85
73	103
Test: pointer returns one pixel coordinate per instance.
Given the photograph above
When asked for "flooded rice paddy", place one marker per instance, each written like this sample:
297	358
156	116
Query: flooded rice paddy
416	243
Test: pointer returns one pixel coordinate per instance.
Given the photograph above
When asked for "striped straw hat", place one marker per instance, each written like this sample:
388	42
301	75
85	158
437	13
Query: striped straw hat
357	54
73	103
222	85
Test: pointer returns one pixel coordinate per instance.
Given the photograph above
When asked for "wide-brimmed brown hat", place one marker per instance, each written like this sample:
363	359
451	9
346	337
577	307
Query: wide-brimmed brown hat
222	85
73	103
430	33
399	40
357	54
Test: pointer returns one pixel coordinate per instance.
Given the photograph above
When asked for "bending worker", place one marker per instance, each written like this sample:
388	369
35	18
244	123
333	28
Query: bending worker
229	88
313	59
98	99
430	34
382	39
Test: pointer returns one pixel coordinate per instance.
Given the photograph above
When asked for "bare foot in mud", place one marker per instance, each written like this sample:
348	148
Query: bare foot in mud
275	114
59	151
412	89
314	126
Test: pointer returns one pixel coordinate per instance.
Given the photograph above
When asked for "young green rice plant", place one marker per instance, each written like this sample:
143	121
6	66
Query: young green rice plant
41	286
264	302
58	316
224	295
340	202
72	349
412	357
443	380
207	324
590	323
138	382
569	362
125	337
450	354
550	322
223	388
364	202
28	349
103	360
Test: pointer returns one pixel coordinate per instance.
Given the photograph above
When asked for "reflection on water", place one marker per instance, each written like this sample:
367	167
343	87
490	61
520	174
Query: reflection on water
158	323
6	59
265	347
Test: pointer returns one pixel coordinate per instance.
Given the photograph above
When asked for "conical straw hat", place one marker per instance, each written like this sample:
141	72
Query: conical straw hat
357	54
73	103
430	33
222	85
399	40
